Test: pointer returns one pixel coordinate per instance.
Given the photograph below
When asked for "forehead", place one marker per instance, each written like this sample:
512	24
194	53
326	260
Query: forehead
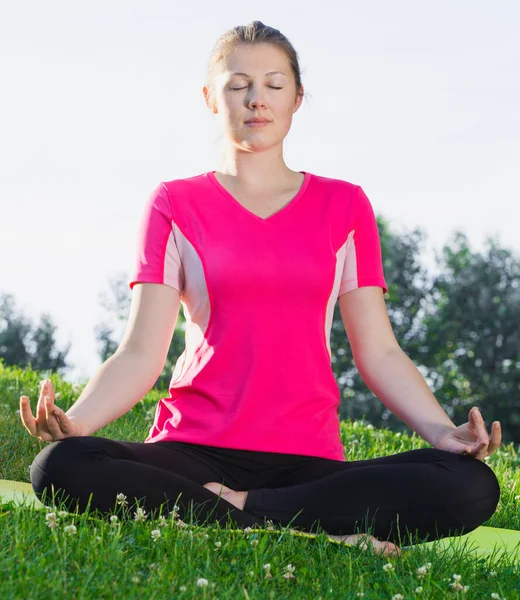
255	59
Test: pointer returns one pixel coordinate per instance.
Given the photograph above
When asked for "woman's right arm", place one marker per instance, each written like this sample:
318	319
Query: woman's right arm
123	379
119	384
130	373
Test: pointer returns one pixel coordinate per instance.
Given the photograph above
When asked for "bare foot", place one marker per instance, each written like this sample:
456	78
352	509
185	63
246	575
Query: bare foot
235	498
380	548
238	499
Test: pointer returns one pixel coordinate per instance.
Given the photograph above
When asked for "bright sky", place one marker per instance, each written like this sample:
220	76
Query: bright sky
416	102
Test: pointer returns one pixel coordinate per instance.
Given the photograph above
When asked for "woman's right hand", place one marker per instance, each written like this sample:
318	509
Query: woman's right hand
51	423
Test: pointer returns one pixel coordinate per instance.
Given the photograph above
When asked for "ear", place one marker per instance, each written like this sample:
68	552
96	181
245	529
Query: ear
205	92
299	99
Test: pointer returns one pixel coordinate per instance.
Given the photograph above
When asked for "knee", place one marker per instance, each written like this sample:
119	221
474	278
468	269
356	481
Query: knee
52	463
480	489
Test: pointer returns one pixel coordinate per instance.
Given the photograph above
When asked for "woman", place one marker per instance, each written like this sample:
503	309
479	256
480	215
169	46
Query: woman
259	255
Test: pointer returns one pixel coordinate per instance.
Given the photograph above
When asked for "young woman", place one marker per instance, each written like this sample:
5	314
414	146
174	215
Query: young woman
259	254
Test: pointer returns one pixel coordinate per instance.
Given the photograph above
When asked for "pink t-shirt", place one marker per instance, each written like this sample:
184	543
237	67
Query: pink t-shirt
258	296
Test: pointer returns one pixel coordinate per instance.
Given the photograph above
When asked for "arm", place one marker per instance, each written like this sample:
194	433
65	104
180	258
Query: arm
396	381
118	385
385	367
132	370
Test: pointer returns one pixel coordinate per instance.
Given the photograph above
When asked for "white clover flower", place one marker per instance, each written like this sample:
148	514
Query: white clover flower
52	520
201	582
290	571
492	573
370	426
156	534
419	590
182	588
140	514
63	513
254	542
248	530
218	544
421	572
181	524
70	529
457	577
114	519
162	521
456	586
205	536
135	579
398	597
121	499
495	596
388	567
251	573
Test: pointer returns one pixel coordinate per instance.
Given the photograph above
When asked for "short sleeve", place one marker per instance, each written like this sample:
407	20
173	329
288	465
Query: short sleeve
363	260
157	257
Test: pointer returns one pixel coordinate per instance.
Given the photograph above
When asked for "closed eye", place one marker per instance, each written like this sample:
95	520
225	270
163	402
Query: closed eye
271	86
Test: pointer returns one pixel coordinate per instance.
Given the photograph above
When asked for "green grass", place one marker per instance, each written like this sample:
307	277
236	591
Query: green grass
103	559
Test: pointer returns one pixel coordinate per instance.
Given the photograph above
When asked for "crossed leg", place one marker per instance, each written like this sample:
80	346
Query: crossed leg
238	499
430	492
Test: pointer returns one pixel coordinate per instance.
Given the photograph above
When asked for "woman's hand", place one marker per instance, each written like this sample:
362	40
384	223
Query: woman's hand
472	438
52	423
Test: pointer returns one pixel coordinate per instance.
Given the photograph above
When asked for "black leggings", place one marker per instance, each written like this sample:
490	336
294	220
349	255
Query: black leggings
426	492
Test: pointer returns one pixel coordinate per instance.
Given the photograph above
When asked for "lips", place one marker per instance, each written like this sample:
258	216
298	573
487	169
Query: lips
258	121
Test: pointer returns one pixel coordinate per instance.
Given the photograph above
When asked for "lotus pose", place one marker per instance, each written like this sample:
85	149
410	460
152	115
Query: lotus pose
259	254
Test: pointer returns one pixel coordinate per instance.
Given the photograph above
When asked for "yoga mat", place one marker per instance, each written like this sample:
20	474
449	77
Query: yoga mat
484	541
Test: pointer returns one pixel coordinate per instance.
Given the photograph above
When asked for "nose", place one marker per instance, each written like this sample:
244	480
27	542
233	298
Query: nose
256	99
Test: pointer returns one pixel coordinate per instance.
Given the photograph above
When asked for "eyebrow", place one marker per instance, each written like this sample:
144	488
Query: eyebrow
270	73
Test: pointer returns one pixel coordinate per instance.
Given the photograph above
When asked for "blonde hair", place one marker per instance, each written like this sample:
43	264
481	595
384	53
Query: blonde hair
252	33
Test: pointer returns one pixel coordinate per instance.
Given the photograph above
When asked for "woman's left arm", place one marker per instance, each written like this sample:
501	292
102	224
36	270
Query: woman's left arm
396	381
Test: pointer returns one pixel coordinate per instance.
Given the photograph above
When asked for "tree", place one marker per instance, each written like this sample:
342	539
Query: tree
23	345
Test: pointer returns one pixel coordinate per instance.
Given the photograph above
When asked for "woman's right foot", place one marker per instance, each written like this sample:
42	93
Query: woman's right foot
380	548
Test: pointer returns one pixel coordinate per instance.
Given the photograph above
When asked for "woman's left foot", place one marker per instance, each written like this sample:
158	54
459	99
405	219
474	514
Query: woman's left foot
237	499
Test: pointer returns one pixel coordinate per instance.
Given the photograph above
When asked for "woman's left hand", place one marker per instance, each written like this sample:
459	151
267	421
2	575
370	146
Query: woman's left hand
472	438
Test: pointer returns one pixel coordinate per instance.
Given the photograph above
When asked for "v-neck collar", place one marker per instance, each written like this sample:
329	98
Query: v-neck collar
211	176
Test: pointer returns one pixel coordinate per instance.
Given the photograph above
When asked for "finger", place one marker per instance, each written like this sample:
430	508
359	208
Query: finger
480	426
62	419
52	423
496	436
26	415
45	390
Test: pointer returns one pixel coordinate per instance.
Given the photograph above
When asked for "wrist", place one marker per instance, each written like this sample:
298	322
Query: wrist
440	431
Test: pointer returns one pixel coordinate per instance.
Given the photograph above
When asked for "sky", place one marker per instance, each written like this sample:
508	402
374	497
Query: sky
416	102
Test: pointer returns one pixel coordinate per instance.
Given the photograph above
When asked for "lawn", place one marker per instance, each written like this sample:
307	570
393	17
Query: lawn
51	553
